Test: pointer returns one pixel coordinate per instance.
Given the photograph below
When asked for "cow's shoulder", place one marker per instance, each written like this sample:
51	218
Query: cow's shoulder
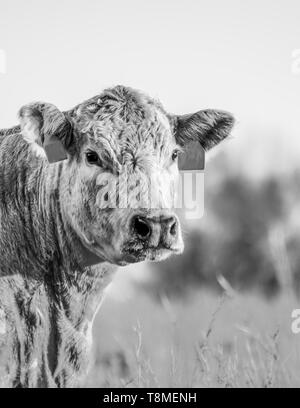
10	131
17	156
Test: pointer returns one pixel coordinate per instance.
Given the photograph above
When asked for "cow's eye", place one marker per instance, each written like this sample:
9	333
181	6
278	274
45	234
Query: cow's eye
175	155
93	158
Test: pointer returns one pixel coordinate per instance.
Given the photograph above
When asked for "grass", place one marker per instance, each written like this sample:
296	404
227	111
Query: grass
232	340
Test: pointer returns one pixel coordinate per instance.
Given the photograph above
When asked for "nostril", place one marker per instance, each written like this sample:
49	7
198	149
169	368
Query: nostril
141	227
173	228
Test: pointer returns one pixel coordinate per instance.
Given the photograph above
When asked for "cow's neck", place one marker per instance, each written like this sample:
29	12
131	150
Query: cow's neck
77	279
59	292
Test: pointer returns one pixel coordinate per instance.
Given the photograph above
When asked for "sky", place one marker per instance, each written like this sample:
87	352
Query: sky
191	54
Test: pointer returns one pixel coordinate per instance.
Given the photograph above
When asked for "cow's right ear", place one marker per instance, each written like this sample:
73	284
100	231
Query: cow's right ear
46	126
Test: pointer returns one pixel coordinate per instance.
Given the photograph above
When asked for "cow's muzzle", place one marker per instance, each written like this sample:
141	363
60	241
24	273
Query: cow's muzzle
157	232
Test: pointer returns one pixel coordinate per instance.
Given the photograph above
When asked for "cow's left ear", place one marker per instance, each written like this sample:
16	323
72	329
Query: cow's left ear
209	127
45	126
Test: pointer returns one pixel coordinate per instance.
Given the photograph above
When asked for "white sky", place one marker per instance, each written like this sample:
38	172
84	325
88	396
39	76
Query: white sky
191	54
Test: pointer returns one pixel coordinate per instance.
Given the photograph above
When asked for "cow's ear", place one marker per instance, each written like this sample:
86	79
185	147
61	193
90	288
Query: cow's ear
209	127
48	128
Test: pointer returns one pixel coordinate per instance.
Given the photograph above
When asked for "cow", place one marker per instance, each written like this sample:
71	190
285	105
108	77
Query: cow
60	245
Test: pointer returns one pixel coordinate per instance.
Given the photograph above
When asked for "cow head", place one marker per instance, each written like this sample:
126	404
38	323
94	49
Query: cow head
117	179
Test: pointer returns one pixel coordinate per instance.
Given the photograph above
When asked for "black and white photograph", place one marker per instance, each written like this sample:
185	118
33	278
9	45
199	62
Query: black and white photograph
149	197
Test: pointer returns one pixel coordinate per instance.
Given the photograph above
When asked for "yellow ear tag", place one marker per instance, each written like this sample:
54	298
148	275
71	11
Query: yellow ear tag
192	157
190	189
54	149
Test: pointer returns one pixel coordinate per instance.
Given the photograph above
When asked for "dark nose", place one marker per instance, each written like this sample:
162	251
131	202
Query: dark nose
156	230
142	227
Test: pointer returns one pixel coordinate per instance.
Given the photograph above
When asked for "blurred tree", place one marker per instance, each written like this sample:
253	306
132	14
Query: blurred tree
231	240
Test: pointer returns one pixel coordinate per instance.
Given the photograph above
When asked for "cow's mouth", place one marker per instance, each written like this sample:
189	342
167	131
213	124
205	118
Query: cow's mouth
131	254
133	251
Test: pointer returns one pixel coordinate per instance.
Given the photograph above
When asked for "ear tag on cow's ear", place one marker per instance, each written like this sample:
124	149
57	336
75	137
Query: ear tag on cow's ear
54	149
192	158
190	191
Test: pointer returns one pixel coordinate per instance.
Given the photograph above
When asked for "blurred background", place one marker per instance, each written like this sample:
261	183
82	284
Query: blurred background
219	315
